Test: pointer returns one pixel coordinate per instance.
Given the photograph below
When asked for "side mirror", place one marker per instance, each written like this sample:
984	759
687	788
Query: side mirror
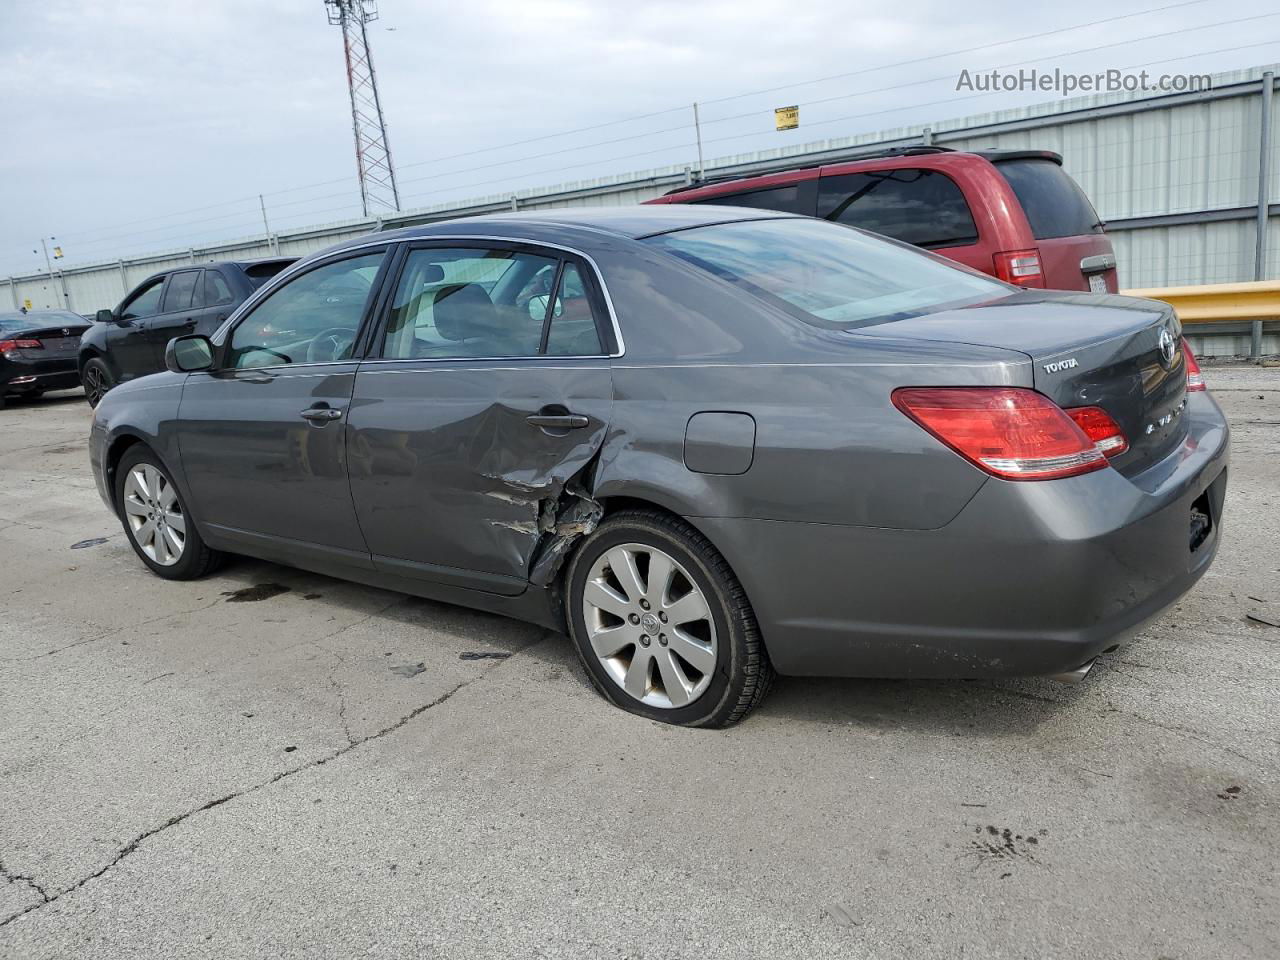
189	354
105	316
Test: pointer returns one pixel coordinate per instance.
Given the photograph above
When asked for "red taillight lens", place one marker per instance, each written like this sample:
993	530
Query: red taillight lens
1021	267
8	346
1010	432
1195	379
1101	429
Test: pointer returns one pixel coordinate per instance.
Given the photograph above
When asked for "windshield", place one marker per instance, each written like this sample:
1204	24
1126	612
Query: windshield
827	274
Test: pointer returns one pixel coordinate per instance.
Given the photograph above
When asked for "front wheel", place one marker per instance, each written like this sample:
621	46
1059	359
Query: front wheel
156	520
662	625
97	381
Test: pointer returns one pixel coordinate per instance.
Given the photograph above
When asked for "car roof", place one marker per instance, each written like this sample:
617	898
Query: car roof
632	222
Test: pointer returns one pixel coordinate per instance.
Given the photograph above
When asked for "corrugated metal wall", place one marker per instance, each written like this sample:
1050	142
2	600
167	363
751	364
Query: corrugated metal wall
1167	157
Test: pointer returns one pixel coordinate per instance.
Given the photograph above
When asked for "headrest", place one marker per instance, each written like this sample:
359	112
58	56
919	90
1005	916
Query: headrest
463	310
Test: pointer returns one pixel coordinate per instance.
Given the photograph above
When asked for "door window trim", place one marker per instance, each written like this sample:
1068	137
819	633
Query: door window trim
222	338
610	335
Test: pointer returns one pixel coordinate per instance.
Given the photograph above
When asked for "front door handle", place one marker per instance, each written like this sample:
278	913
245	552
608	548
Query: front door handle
321	414
561	421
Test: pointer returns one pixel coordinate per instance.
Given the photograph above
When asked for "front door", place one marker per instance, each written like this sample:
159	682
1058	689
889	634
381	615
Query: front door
486	395
263	438
129	350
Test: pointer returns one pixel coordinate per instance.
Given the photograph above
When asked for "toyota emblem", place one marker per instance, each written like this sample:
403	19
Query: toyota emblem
1167	347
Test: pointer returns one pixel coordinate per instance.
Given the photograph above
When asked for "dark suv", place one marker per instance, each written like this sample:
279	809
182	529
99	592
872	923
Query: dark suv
129	341
1014	214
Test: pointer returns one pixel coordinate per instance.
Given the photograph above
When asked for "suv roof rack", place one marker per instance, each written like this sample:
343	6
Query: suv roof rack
911	151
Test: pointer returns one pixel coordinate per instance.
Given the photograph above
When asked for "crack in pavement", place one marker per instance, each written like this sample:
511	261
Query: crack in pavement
12	877
133	845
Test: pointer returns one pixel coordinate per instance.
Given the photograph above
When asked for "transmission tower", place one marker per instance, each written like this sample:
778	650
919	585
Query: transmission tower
378	189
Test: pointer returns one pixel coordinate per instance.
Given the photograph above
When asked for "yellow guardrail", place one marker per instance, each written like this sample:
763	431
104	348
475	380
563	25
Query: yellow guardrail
1215	302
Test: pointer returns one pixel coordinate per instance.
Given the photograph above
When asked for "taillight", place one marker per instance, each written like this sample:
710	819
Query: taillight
1010	432
1021	267
8	346
1101	429
1195	379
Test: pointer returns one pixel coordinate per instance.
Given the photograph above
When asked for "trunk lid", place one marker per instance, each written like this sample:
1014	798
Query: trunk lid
56	343
1118	353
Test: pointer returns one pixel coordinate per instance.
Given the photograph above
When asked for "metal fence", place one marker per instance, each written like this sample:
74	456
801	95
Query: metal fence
1186	182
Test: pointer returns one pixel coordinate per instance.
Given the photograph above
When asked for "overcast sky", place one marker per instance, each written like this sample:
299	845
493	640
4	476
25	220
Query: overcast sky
141	125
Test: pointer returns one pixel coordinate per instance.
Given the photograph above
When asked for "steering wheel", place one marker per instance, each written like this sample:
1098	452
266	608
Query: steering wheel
330	344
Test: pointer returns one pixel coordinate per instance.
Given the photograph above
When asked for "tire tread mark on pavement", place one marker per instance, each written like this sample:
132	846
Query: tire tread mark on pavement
133	845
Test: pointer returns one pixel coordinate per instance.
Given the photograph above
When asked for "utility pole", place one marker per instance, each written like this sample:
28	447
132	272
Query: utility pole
48	265
378	190
697	130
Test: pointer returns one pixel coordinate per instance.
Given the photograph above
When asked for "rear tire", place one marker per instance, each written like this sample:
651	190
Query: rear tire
662	625
155	518
96	379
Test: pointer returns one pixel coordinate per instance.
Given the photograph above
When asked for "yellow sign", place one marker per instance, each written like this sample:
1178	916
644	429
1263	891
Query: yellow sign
26	303
57	253
786	118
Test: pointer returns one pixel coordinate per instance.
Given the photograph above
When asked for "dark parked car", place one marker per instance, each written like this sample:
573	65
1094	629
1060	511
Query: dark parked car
38	351
1014	214
129	341
709	442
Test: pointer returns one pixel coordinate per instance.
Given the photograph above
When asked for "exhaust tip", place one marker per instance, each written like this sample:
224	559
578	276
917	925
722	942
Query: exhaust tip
1074	676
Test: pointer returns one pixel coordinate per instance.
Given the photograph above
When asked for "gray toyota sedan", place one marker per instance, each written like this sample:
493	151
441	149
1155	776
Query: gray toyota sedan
708	443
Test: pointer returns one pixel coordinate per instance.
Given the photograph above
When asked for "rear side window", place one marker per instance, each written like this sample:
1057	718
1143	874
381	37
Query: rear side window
1054	203
216	289
784	199
921	207
181	286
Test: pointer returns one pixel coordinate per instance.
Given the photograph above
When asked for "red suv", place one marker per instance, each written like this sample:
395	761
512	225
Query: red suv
1014	214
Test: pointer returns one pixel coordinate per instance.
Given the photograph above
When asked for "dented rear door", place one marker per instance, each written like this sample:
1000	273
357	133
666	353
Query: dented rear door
468	472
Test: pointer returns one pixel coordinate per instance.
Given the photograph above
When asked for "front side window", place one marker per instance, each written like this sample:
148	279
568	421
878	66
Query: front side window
146	303
458	303
920	207
313	318
825	274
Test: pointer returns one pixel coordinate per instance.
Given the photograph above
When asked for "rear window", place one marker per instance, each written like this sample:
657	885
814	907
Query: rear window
920	207
784	199
825	274
1054	203
260	273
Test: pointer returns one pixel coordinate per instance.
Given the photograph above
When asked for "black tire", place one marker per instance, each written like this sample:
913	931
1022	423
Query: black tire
96	379
742	675
196	559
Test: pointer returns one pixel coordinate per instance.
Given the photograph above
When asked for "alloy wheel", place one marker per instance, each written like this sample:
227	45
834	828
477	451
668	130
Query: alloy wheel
95	387
154	515
650	625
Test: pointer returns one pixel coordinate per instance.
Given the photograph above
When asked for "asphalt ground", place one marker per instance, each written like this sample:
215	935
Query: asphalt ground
269	763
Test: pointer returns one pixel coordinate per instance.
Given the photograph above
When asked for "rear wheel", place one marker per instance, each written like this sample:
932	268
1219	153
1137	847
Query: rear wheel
662	625
97	381
156	520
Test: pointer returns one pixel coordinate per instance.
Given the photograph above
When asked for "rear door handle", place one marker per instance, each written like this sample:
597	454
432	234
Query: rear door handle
321	414
563	421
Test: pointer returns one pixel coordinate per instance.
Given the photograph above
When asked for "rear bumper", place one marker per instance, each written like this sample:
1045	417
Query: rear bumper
1029	579
18	377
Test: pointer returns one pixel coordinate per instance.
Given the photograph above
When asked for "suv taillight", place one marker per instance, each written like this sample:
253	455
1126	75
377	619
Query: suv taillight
1010	432
1195	379
1021	267
1101	429
9	346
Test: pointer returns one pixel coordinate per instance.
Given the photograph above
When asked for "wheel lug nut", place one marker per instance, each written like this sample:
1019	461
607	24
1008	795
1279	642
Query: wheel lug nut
644	640
634	618
662	639
644	604
663	616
